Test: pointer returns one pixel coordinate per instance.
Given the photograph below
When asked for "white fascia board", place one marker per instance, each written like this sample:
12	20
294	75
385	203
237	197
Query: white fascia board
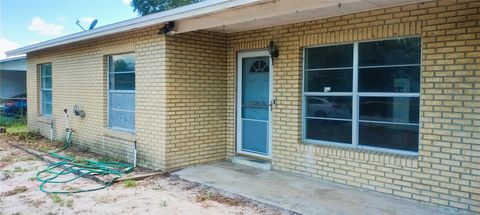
185	12
12	59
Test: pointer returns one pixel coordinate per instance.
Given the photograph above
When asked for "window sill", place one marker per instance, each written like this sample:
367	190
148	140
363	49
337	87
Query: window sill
369	155
118	134
44	119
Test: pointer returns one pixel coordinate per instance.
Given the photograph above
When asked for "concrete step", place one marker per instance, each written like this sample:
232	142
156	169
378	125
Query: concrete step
251	162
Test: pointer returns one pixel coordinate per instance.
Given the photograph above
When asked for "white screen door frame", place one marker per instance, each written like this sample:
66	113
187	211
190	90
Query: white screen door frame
240	57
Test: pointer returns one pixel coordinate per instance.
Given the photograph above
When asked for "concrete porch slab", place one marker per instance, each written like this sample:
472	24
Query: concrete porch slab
301	194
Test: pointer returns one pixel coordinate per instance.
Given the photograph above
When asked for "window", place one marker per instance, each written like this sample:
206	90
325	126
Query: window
121	92
46	89
364	94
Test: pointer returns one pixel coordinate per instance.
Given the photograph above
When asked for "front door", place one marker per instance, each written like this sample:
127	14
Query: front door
253	104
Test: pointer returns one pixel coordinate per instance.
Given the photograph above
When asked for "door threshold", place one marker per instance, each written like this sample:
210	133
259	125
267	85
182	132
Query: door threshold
252	162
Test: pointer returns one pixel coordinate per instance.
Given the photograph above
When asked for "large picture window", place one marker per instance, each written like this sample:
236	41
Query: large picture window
45	89
121	92
364	94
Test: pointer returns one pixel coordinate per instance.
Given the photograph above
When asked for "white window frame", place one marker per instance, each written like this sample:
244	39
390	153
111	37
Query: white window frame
42	89
356	100
109	91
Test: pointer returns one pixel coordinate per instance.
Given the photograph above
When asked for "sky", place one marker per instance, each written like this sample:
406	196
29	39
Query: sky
25	22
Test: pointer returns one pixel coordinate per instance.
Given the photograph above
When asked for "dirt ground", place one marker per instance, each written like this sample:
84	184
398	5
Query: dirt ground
20	192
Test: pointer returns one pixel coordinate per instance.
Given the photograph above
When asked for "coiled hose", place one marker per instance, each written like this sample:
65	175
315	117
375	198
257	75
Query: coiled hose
78	169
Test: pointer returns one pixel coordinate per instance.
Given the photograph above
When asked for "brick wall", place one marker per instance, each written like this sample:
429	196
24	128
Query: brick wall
447	168
196	98
180	96
80	77
185	100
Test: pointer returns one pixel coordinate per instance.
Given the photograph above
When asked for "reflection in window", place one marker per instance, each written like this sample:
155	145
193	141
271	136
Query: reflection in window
387	77
121	92
389	52
46	89
329	69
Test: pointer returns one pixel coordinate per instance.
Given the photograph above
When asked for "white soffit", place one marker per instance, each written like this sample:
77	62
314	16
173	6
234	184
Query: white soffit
279	12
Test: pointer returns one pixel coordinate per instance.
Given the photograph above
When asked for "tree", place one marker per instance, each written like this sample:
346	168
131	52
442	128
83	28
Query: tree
146	7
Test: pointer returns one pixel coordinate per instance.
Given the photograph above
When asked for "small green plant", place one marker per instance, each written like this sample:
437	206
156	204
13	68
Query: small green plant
56	199
130	183
32	178
19	169
163	203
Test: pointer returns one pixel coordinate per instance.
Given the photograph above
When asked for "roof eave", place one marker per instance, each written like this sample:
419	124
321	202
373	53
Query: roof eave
185	12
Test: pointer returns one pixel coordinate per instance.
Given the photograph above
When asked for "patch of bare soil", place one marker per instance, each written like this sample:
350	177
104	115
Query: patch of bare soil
20	193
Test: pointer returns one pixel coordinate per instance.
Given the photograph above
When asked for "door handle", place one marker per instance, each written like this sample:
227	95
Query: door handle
273	103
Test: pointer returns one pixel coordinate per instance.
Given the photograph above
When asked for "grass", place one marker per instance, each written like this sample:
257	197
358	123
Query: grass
13	125
130	183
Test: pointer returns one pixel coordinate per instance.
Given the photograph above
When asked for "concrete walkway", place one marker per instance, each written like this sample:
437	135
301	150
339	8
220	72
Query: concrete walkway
300	194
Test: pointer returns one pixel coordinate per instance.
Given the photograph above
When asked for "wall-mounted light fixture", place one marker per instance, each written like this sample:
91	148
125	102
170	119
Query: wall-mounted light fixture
167	28
273	50
77	111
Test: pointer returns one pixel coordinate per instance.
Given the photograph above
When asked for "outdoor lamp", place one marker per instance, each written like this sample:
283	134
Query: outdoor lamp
273	50
167	28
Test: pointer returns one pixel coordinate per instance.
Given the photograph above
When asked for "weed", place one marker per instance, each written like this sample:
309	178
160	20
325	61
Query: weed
163	203
56	199
32	178
130	183
204	196
29	136
19	169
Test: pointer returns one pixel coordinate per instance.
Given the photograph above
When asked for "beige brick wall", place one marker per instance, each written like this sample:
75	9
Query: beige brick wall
185	100
80	77
180	96
196	98
447	169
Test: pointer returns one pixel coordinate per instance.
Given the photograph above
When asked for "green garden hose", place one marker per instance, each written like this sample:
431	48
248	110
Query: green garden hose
78	169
